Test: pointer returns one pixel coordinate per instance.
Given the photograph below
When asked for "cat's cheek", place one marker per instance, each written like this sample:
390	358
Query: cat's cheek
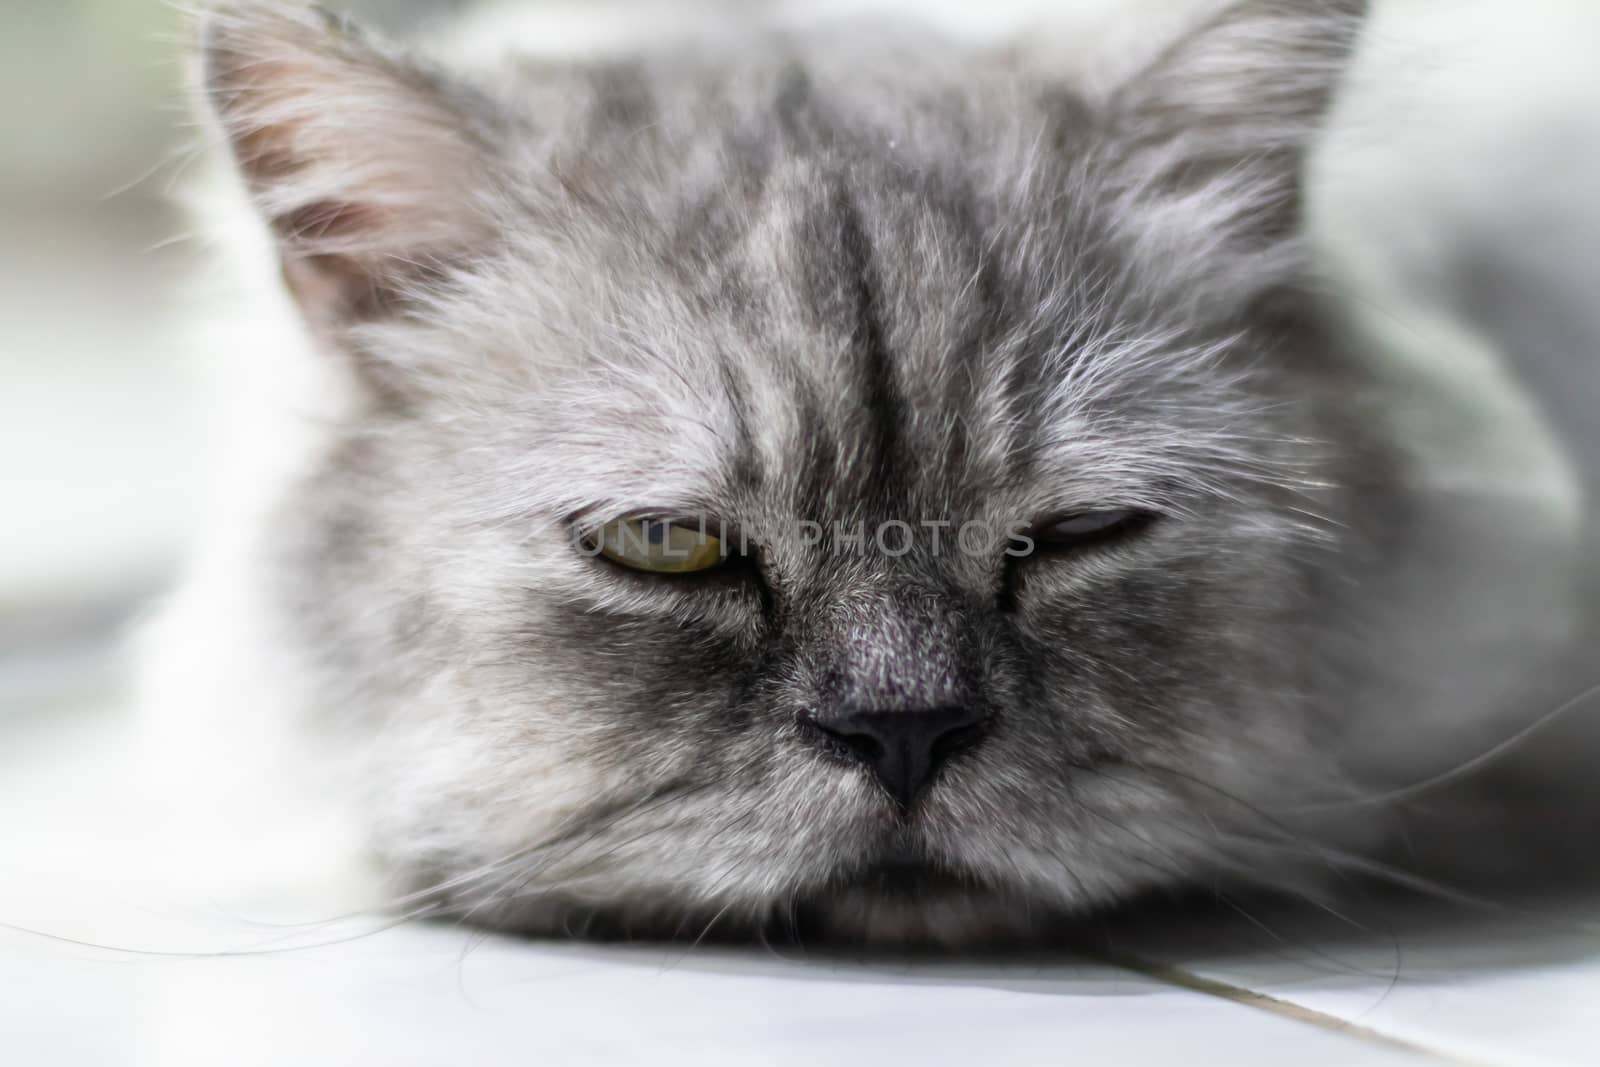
506	774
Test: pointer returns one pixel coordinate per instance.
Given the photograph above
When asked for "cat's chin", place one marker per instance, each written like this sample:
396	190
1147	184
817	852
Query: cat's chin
892	906
901	906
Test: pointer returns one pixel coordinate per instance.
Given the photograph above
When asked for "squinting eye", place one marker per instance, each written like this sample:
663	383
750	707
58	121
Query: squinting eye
659	547
1087	527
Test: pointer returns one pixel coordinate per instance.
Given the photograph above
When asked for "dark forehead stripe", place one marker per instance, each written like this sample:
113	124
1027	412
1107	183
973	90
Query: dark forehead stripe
945	308
896	240
907	241
840	285
896	258
883	406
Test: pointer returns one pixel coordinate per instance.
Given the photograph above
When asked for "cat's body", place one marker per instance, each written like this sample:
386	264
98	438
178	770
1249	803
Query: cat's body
814	286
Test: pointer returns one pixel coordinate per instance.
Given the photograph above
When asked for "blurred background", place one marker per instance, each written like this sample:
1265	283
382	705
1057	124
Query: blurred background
104	434
1477	123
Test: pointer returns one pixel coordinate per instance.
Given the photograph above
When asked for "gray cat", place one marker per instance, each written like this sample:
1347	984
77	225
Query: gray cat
849	481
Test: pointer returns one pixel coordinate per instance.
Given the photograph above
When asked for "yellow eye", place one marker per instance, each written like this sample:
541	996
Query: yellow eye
659	547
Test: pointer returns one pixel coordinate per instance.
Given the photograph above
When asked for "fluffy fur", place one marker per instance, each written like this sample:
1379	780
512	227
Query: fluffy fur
825	276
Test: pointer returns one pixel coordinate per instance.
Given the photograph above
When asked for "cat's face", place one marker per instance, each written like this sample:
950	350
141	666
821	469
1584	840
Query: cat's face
988	384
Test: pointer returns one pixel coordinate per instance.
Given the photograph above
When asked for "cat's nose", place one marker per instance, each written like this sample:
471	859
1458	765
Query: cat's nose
903	748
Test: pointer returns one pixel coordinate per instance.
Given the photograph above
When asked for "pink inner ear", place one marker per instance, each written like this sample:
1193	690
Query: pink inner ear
326	221
332	289
332	286
357	157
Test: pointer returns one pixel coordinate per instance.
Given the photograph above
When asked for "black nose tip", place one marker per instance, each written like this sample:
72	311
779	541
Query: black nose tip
902	748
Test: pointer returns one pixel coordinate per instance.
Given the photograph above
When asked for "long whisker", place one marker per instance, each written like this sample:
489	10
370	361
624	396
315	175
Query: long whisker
1461	770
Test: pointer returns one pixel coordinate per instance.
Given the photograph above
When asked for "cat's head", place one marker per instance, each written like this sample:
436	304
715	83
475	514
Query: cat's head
994	396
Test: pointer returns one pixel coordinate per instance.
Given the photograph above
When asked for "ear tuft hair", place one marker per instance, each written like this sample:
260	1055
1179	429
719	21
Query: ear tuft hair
366	164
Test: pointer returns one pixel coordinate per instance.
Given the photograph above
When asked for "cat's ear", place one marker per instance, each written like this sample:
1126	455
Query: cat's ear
370	169
1226	116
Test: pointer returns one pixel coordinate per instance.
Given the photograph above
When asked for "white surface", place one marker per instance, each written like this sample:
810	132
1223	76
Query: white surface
441	996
